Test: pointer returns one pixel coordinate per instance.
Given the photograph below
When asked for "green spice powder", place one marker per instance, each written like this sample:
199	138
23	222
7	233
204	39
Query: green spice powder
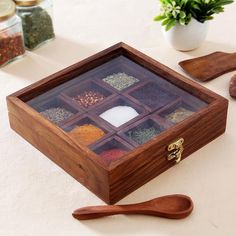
179	115
142	135
120	81
37	26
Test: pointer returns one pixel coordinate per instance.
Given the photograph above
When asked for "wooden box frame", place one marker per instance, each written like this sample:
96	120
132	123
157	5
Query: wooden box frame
112	183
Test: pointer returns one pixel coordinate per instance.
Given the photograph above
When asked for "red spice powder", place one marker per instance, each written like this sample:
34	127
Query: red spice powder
10	47
112	154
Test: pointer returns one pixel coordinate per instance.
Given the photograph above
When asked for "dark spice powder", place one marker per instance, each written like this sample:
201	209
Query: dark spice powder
89	98
152	95
37	26
10	48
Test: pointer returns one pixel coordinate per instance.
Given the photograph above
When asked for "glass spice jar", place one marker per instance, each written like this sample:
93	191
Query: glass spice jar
11	36
36	16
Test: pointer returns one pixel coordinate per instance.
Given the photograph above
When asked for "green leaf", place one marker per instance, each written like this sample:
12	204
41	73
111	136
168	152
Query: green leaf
183	10
182	14
170	24
159	18
165	22
182	21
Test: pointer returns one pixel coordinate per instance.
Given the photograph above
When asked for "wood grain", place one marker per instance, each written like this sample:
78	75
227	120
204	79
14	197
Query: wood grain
74	158
232	87
210	66
150	159
113	182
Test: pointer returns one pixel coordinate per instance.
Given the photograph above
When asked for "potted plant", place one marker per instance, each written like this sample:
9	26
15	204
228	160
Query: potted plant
185	22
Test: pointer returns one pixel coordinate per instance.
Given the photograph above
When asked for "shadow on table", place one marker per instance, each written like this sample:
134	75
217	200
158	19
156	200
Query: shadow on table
132	225
210	47
49	58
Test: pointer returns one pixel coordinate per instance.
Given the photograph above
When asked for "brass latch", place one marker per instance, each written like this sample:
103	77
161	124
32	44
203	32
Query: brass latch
176	149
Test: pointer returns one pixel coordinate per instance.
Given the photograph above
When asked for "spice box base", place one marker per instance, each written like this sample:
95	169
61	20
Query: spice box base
180	118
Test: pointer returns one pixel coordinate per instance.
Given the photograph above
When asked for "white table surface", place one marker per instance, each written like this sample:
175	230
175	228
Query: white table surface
37	197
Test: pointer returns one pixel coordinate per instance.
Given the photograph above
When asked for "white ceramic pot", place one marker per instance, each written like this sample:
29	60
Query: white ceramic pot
187	37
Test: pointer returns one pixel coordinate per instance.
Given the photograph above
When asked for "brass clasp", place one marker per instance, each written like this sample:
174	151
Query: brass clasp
176	149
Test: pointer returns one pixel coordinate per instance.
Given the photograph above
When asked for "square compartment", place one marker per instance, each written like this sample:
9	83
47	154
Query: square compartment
88	94
151	95
123	120
121	74
112	149
177	112
120	81
81	128
143	131
57	103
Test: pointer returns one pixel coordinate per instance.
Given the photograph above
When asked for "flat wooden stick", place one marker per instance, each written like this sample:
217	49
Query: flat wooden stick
210	66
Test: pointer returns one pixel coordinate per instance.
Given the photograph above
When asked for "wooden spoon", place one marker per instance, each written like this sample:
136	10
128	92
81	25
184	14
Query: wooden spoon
210	66
175	206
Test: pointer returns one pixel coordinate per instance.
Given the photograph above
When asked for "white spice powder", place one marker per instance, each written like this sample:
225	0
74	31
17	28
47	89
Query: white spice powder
119	115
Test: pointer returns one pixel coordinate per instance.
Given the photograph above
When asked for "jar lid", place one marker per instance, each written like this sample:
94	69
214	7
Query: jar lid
7	9
25	3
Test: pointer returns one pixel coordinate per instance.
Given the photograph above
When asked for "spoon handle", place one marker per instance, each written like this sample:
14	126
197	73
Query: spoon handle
93	212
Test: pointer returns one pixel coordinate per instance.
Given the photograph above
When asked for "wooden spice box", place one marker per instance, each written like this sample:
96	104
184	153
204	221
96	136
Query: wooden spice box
175	117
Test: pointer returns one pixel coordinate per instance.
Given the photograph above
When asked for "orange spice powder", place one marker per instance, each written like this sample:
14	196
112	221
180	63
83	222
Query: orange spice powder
86	134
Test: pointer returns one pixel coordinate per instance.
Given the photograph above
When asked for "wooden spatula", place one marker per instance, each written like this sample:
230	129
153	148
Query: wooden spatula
210	66
176	206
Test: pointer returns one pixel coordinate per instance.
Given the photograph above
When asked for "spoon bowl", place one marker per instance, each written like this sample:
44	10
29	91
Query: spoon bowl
176	206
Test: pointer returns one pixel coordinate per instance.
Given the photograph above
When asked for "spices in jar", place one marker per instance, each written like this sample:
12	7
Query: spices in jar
120	81
56	114
119	115
112	154
87	134
142	135
89	98
11	47
11	38
36	21
179	115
